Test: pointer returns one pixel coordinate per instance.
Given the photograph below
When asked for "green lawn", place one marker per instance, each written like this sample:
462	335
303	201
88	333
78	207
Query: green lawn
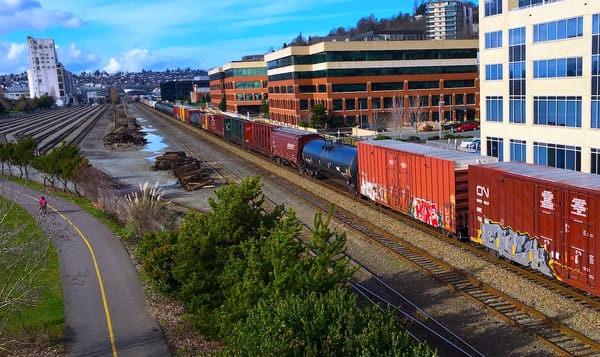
40	322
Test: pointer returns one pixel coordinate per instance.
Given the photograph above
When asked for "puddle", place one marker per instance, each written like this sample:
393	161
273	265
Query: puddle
155	143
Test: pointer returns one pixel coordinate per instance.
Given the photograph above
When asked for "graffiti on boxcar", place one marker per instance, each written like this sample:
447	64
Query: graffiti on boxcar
515	246
425	211
373	190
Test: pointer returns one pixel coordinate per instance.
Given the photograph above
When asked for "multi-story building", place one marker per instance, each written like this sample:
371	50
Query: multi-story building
371	83
540	87
189	90
243	85
448	20
46	75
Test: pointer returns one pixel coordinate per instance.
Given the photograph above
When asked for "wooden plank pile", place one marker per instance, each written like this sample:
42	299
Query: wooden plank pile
190	175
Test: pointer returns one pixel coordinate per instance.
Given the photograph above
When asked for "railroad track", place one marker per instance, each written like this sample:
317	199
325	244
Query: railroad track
555	335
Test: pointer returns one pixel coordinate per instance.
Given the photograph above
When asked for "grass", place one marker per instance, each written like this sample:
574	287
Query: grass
40	323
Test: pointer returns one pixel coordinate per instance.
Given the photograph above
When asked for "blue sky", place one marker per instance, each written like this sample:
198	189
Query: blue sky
129	35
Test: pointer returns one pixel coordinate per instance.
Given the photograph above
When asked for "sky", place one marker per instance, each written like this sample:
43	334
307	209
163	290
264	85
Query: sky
131	35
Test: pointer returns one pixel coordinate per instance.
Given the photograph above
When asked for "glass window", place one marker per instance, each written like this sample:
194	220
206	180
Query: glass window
555	155
376	103
495	148
595	113
595	167
350	104
494	109
337	105
517	111
493	7
518	150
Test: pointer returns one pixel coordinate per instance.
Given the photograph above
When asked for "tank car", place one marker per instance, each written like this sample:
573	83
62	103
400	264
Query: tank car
537	216
324	158
424	182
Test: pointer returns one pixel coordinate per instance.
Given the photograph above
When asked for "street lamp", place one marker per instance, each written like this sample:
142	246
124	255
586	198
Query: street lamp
440	117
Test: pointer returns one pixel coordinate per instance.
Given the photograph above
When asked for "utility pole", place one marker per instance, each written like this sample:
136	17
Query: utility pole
440	118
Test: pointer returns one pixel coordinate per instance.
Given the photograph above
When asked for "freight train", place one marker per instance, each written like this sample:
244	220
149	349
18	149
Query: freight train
545	218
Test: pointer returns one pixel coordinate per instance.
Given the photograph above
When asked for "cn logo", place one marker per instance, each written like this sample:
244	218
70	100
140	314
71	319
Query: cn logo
481	191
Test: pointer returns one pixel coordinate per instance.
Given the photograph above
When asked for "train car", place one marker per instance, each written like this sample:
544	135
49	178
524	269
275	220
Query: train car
234	129
257	137
186	113
164	108
287	145
324	158
541	217
424	182
215	124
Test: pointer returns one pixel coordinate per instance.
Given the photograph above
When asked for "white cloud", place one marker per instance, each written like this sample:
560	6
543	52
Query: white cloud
30	15
131	61
13	57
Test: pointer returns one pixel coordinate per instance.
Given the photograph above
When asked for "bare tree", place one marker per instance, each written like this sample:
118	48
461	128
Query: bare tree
398	116
23	253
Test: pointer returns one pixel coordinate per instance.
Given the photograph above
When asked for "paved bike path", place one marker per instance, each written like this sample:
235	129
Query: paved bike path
104	301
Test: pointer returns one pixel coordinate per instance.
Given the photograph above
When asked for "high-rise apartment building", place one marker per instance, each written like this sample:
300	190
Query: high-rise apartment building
46	75
540	82
448	20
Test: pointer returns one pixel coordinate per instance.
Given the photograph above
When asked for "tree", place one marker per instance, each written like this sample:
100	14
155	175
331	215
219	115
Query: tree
264	108
64	163
223	105
312	324
317	115
206	241
23	255
22	155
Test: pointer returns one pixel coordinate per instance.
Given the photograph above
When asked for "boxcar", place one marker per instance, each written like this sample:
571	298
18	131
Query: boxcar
427	183
545	218
215	125
325	158
287	144
186	113
234	129
257	137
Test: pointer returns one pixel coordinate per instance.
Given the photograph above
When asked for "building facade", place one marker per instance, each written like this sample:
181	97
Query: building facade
375	83
448	20
540	82
243	85
46	75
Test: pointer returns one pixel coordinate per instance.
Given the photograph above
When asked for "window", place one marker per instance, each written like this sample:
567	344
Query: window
517	110
517	150
337	105
376	103
595	114
350	104
493	39
557	111
493	72
493	7
595	167
559	67
493	111
495	147
558	30
555	155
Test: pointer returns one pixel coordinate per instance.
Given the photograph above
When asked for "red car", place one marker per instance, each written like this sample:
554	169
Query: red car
468	126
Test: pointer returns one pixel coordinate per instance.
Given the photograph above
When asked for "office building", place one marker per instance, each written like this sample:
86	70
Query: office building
375	83
243	85
46	75
540	82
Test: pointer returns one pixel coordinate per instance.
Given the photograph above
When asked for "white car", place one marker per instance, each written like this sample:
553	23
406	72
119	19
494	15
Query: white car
471	143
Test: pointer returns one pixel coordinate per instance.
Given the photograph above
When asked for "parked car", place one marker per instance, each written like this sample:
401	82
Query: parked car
471	143
468	126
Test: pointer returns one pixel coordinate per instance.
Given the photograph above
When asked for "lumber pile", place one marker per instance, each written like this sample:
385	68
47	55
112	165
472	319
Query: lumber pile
190	174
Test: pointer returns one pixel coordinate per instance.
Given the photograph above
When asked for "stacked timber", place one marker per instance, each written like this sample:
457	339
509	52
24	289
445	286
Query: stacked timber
190	175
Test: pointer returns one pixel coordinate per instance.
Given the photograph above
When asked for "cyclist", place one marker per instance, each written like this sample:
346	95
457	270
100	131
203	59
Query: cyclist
43	210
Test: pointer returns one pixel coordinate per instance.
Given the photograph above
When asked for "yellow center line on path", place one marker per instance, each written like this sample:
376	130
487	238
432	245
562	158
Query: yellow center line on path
98	275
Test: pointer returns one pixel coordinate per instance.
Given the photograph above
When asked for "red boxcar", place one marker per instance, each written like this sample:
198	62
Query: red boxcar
214	124
257	137
287	144
542	217
425	182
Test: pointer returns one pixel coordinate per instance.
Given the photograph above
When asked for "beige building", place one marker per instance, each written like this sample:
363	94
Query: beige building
540	82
